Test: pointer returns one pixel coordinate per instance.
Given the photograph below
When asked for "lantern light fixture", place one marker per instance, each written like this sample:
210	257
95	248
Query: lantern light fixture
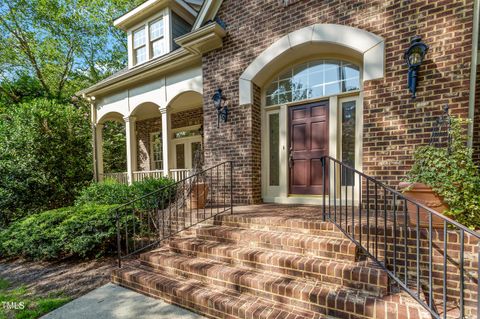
219	103
414	57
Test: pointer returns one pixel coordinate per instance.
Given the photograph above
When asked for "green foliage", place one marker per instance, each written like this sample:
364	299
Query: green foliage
81	231
45	157
110	192
34	307
65	45
114	147
148	186
452	174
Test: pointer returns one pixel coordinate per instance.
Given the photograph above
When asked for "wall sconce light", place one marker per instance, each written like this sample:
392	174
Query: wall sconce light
222	109
414	57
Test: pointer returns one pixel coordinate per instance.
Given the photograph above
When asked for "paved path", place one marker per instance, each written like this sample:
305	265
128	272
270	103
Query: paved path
115	302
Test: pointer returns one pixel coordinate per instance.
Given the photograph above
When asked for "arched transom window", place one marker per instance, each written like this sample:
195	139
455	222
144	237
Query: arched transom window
312	80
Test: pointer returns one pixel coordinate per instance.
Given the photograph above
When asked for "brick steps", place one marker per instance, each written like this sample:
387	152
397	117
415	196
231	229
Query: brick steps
204	299
335	248
295	292
352	275
278	266
295	223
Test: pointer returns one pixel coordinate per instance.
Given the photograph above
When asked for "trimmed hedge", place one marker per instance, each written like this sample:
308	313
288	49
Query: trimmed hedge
110	192
83	231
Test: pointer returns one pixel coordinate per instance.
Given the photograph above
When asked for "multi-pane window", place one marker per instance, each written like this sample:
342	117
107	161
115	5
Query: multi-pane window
274	148
348	140
157	151
157	41
312	80
139	46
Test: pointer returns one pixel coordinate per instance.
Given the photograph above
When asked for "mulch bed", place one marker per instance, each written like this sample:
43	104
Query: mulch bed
72	277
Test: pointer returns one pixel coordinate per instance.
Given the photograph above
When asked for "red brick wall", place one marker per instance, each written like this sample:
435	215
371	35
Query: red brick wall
393	123
146	127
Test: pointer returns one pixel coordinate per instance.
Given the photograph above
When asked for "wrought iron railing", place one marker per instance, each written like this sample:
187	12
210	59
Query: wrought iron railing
145	222
437	262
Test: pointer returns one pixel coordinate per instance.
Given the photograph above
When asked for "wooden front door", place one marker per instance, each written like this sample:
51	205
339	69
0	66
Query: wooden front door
308	143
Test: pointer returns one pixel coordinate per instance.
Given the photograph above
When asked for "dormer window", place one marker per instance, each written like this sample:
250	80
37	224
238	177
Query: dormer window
157	41
152	33
139	46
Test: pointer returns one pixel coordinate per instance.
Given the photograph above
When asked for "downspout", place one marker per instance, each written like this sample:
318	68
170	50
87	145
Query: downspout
473	71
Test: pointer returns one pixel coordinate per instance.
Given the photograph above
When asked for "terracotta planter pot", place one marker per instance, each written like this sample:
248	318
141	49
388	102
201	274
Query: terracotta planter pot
199	196
425	195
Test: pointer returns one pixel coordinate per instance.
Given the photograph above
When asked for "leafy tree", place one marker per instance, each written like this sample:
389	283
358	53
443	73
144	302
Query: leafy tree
64	45
114	147
45	157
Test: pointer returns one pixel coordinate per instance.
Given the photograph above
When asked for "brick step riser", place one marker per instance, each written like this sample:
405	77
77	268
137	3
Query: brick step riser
182	302
303	300
324	252
203	305
362	282
306	229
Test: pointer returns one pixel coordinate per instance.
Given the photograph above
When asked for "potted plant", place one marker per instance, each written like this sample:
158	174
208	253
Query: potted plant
446	180
199	188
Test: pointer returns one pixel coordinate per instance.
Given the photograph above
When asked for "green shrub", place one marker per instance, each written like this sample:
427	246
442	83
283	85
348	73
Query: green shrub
45	159
82	231
108	192
149	186
452	174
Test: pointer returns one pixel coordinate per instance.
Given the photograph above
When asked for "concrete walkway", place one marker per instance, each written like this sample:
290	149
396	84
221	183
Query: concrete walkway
115	302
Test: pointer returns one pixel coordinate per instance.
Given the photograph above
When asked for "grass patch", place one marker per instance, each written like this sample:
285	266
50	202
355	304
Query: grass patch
19	303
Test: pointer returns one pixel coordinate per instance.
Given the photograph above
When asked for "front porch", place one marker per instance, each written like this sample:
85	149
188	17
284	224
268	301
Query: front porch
160	142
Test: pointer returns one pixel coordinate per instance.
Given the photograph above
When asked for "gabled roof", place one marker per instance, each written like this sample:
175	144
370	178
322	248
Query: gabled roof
145	9
207	13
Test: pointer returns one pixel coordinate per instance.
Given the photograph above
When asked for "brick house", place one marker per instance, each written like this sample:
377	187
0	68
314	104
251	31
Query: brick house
271	55
302	79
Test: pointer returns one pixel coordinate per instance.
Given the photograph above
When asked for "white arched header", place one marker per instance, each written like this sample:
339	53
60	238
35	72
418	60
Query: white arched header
368	45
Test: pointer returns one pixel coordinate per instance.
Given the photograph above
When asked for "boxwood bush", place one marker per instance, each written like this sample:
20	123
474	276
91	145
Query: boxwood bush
111	192
82	231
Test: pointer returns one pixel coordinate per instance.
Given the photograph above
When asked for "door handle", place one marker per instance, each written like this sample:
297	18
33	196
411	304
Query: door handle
290	158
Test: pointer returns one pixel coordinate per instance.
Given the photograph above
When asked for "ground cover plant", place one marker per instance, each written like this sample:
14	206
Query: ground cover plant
21	303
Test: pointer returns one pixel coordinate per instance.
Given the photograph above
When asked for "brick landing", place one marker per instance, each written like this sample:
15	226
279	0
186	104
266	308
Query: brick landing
268	261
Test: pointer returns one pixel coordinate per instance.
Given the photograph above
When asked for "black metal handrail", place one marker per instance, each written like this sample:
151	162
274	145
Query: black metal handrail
146	221
378	219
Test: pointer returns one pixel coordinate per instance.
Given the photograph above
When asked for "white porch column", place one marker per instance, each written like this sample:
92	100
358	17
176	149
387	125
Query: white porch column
99	150
165	140
131	147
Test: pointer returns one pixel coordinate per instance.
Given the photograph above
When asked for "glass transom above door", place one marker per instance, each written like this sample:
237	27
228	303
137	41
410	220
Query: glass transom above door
312	80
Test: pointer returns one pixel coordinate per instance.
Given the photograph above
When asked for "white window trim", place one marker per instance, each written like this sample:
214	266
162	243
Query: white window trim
185	128
160	38
167	25
358	141
134	49
280	194
152	157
